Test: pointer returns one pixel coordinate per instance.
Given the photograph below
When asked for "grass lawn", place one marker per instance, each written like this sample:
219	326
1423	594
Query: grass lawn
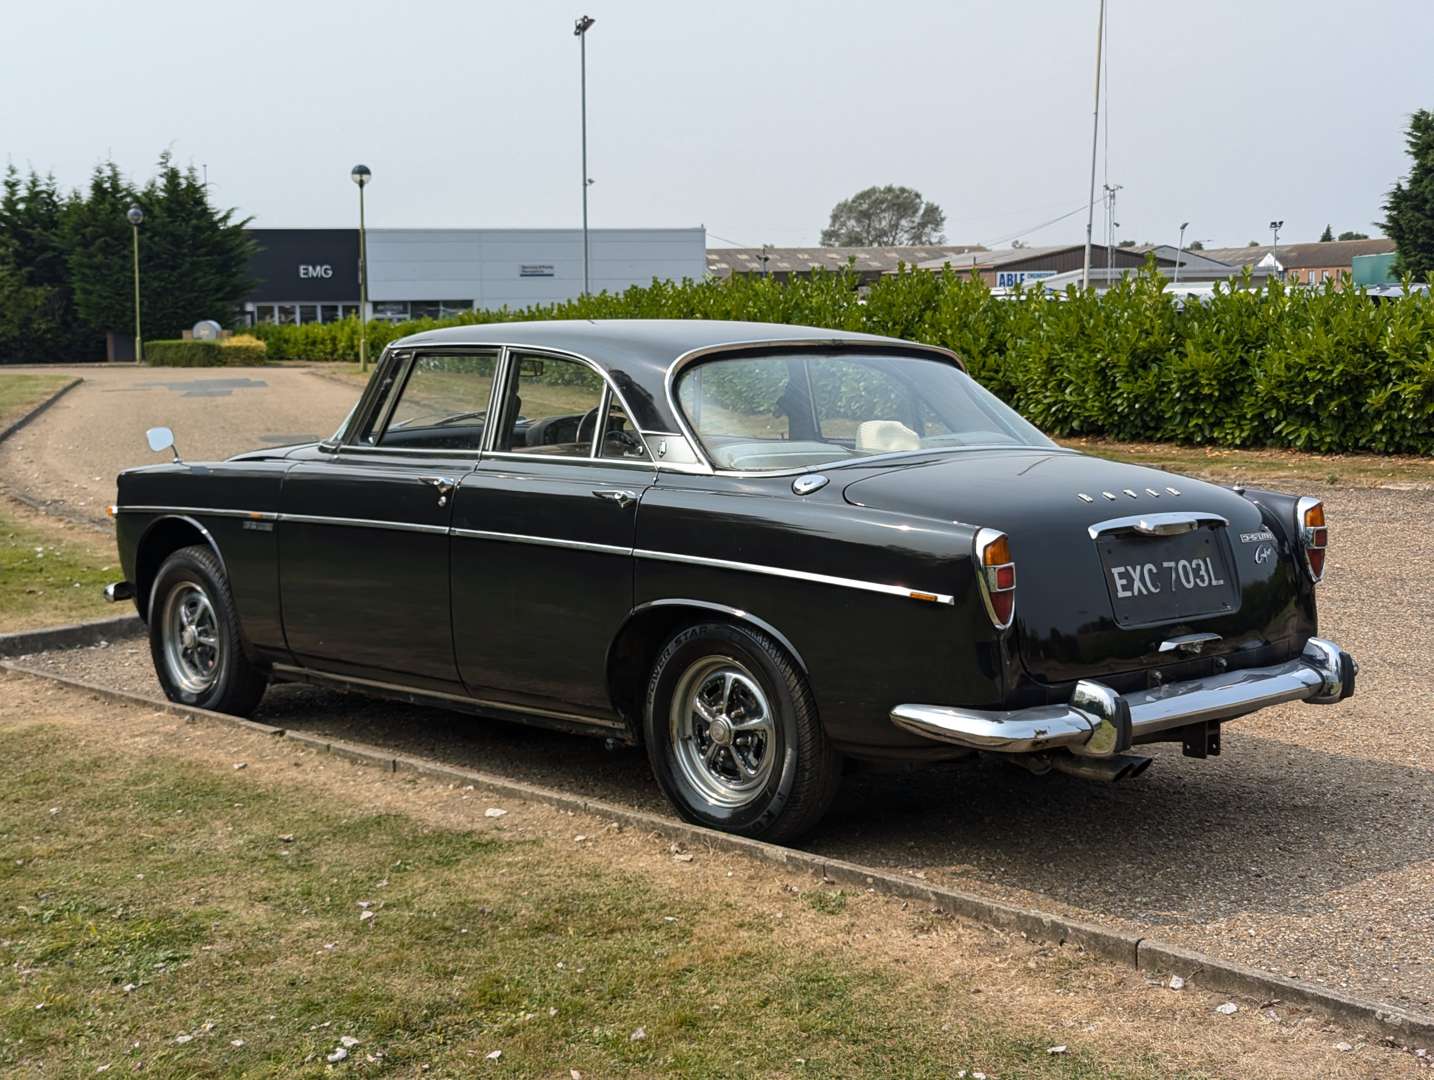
20	392
1275	468
204	921
51	571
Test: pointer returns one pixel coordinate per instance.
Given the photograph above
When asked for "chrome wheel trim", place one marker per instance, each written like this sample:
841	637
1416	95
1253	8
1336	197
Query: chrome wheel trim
723	733
193	646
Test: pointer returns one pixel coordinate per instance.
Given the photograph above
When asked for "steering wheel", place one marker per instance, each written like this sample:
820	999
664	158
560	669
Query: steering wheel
586	426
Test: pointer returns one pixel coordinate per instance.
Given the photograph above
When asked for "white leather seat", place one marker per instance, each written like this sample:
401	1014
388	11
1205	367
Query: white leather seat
885	436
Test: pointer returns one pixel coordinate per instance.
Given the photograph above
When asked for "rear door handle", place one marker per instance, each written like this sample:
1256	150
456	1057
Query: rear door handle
617	495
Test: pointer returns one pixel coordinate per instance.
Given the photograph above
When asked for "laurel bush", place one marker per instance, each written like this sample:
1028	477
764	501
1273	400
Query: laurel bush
1326	369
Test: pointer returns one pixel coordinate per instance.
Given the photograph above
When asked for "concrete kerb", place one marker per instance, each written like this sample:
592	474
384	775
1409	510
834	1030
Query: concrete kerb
38	409
1128	950
72	636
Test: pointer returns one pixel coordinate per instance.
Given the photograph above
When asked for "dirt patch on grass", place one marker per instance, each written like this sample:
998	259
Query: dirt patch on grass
482	924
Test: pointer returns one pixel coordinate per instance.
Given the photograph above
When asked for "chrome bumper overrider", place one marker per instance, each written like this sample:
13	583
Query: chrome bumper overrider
1098	722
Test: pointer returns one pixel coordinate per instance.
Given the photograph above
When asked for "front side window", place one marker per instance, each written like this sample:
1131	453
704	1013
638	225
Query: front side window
784	410
553	407
443	403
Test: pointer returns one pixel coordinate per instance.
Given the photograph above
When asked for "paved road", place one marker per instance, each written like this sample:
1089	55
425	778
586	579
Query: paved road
71	454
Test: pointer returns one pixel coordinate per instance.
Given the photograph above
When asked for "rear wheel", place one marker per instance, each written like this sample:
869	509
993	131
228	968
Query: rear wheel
194	636
733	734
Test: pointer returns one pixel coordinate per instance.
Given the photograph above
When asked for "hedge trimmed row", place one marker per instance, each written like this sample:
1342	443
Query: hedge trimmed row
204	353
1326	370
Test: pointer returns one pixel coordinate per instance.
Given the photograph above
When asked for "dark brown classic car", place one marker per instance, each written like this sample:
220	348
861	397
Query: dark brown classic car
755	549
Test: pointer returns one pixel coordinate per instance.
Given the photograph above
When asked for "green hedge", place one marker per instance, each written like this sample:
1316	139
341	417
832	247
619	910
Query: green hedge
203	354
1324	369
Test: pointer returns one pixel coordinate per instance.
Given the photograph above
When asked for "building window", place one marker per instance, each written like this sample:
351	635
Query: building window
288	314
390	310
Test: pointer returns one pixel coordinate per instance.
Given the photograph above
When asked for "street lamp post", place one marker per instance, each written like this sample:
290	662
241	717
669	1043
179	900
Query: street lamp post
135	216
1275	227
1180	250
580	30
360	176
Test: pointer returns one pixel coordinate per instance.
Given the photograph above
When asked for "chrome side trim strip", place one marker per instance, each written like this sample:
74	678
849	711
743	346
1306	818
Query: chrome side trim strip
543	541
553	714
252	515
365	523
902	591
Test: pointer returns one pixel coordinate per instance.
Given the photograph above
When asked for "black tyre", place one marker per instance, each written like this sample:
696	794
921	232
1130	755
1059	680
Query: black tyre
194	636
733	734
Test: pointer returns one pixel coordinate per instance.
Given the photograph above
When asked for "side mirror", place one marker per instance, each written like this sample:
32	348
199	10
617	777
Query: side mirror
161	439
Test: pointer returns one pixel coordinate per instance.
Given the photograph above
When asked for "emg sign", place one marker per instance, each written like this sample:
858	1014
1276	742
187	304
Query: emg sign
321	270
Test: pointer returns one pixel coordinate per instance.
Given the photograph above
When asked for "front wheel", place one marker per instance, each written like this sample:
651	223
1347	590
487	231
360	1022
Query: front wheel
733	734
194	636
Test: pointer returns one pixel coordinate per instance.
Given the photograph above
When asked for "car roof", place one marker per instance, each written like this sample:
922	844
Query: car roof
638	353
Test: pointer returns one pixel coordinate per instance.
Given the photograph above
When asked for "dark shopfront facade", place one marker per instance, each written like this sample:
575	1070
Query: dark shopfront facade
304	275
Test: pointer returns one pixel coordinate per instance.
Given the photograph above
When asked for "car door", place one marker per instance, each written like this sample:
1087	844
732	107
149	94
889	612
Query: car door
542	539
363	534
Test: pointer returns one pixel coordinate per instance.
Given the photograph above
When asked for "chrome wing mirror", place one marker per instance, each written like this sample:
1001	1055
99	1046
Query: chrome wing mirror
161	439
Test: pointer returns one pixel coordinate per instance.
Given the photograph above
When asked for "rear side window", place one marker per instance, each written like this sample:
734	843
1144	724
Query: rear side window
553	407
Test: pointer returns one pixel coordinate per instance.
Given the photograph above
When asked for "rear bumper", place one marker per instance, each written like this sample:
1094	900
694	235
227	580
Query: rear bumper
1098	722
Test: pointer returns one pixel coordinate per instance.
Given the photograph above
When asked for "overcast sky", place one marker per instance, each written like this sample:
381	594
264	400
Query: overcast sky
751	118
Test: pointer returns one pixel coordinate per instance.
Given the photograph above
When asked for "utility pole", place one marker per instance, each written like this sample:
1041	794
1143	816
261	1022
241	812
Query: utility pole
1275	227
1180	250
1094	146
580	31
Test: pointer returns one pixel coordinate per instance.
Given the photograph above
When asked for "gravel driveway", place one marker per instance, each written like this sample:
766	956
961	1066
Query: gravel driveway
1307	848
68	459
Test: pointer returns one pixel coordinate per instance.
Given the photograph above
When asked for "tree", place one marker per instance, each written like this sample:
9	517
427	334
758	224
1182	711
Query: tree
1326	236
37	317
1409	209
884	216
1126	244
1350	234
1253	243
98	241
193	259
1195	245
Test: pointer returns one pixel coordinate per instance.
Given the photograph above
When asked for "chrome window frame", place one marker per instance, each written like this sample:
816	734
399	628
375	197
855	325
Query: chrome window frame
610	393
410	358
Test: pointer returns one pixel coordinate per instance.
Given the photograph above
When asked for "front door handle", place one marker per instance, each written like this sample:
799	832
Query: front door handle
444	485
617	495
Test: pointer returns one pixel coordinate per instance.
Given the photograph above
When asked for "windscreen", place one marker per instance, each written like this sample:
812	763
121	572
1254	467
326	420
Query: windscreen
801	409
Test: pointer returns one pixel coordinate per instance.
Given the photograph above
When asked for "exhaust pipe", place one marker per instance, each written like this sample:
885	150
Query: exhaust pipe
1107	770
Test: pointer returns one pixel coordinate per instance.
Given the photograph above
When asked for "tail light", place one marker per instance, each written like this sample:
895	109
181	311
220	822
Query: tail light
996	574
1314	536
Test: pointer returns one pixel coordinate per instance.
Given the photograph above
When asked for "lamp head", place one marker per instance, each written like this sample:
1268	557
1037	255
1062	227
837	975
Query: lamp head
360	175
582	25
135	215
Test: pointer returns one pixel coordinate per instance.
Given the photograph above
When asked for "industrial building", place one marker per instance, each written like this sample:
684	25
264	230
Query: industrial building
1306	264
311	275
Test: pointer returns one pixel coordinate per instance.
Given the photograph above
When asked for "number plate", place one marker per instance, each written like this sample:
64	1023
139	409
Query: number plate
1163	579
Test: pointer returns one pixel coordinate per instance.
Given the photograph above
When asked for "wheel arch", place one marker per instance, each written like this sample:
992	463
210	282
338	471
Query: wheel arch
647	628
162	538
